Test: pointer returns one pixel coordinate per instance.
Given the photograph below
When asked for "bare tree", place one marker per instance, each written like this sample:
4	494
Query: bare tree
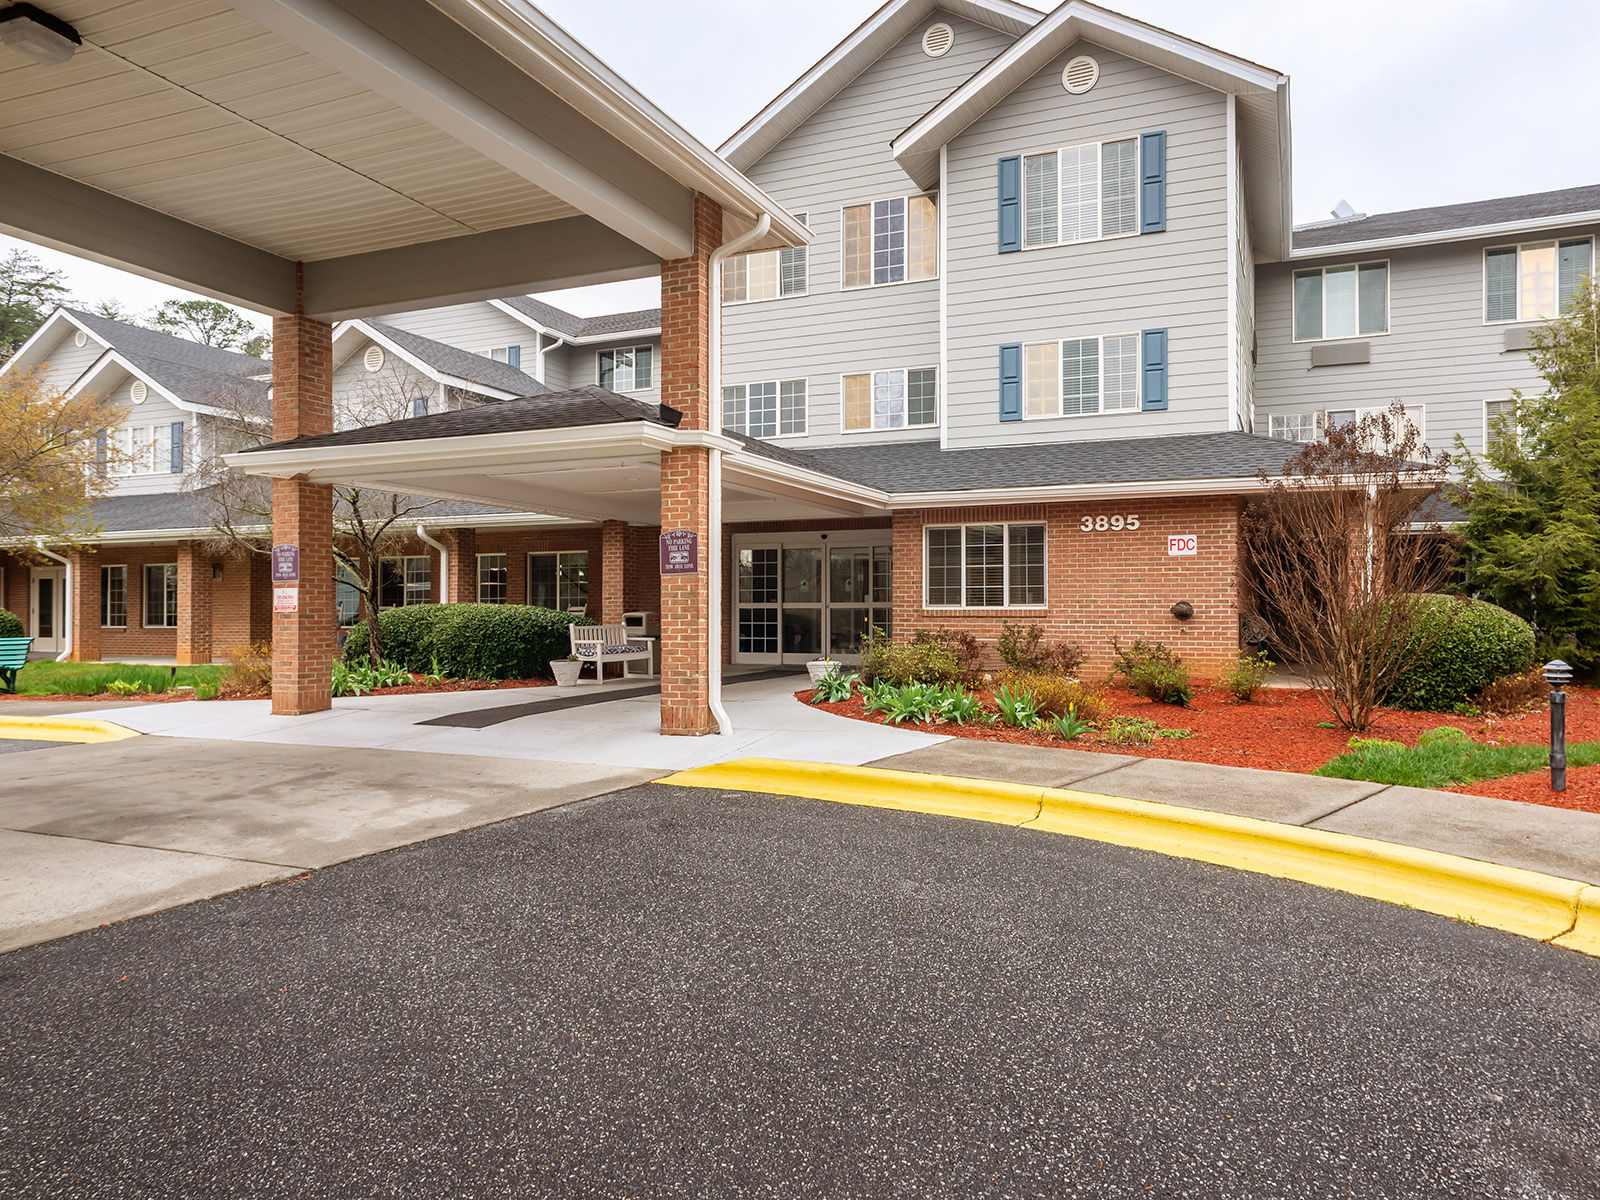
1337	558
368	525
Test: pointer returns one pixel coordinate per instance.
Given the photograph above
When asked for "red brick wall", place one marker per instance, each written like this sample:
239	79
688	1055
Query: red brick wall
241	602
14	586
1100	585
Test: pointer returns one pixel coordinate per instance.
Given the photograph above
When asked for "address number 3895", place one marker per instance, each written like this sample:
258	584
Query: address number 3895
1103	522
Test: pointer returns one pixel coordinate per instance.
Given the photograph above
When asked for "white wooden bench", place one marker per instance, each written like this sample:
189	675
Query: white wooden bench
597	645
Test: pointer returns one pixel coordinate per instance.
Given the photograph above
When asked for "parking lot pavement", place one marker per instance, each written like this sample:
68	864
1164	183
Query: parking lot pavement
669	992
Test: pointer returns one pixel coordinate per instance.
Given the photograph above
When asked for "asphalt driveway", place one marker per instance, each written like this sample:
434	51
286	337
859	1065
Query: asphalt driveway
666	992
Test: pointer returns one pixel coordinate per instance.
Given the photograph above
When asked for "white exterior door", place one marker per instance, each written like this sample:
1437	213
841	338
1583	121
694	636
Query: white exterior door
47	609
805	593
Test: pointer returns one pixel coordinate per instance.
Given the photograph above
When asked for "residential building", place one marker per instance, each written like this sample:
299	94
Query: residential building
1052	324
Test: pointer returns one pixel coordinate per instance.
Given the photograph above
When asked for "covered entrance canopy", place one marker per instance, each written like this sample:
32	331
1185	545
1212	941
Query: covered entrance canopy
323	159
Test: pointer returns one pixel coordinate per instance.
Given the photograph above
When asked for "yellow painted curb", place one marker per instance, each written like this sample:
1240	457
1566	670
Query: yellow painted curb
1544	907
63	729
1584	936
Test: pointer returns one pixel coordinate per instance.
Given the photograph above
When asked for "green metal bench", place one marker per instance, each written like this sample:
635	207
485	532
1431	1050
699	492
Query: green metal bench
13	654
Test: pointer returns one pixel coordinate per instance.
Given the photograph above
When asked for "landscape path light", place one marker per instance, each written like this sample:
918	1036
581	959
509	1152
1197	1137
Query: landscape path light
1557	673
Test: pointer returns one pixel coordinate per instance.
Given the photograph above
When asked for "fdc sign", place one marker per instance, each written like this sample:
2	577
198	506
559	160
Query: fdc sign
1182	544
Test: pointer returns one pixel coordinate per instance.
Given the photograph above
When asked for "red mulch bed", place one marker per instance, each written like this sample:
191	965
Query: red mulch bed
1280	731
229	692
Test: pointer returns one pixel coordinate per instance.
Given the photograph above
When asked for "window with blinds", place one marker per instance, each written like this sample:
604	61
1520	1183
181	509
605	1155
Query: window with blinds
765	274
1081	376
1081	193
984	566
1535	281
1341	302
890	241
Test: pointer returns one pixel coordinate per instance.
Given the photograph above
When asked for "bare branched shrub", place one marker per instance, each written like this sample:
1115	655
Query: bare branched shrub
1337	558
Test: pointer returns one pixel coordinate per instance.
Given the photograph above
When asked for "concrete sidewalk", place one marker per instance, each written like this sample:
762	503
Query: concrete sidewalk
1556	841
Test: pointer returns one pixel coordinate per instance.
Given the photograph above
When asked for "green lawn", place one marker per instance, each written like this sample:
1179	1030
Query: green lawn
90	679
1446	758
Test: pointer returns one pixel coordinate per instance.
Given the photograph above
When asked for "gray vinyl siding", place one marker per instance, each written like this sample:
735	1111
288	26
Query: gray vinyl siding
1438	352
387	391
579	366
156	410
840	156
1244	300
477	327
62	361
1176	280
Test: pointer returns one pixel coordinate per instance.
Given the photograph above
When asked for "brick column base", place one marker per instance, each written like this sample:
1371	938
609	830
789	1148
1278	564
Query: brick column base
85	602
194	605
685	691
613	570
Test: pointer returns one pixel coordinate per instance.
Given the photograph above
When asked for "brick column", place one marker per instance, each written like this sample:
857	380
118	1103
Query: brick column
463	566
685	495
302	515
194	604
613	570
85	602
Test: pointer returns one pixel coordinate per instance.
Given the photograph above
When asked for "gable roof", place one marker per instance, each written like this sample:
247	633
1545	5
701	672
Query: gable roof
1454	222
578	329
860	49
501	380
190	374
1261	103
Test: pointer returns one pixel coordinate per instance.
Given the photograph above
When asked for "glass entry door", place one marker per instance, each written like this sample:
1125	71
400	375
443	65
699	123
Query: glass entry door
792	602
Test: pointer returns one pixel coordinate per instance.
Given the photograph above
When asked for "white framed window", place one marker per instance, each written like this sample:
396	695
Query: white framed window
142	449
1500	420
491	579
1080	193
510	355
896	398
1295	427
403	582
889	241
984	566
772	408
161	596
1416	417
114	597
1078	377
1346	301
559	579
765	274
1534	281
625	369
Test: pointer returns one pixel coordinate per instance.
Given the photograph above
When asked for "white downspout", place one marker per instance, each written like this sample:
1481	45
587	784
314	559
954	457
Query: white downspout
66	599
444	563
714	470
540	350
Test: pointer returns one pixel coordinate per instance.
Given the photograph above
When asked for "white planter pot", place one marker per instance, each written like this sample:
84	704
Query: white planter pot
566	673
818	667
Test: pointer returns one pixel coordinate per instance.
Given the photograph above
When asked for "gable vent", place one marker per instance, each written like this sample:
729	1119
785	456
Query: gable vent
1081	75
80	338
938	39
138	391
373	359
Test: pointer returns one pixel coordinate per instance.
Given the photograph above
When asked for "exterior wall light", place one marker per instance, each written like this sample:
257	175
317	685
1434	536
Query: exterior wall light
1557	673
43	38
1183	610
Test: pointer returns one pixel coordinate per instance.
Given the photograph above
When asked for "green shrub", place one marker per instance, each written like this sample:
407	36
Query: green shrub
10	624
924	659
1056	694
1154	672
1245	675
1470	644
1024	649
469	641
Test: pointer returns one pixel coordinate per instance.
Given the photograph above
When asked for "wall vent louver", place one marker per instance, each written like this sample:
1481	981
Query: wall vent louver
938	39
373	359
1081	74
138	391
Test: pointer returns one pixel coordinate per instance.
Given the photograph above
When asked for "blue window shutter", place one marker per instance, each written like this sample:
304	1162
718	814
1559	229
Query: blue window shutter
1153	182
1011	382
101	454
177	448
419	406
1153	360
1011	203
514	356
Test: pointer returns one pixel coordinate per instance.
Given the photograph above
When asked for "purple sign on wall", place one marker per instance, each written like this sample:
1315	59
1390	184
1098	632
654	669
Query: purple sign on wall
680	552
285	564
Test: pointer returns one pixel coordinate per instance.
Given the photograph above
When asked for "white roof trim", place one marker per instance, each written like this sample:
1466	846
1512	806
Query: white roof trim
113	356
1263	92
60	315
432	372
834	71
1463	233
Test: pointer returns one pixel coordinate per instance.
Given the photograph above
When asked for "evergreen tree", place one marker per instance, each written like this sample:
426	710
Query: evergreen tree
210	322
29	292
1533	497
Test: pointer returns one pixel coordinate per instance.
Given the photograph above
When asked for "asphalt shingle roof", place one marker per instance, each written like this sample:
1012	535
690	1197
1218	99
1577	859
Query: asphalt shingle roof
1414	222
582	406
191	371
566	323
463	364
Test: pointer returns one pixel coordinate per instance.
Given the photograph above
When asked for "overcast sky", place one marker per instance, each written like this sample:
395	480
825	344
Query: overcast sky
1396	103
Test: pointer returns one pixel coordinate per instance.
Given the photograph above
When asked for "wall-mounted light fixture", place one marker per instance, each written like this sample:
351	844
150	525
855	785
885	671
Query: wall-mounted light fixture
216	572
43	38
1183	610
